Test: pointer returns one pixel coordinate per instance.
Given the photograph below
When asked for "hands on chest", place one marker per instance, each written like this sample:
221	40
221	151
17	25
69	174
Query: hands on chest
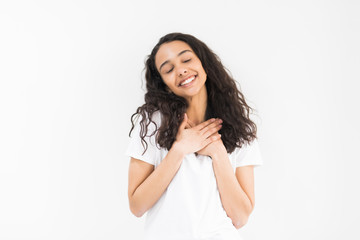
203	138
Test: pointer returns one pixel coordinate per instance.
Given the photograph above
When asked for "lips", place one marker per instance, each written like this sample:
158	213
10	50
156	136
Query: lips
187	80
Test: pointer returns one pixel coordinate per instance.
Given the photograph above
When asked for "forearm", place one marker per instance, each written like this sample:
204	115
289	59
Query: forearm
149	192
234	200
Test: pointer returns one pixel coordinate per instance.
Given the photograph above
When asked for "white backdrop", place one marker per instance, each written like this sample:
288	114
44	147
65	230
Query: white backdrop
71	75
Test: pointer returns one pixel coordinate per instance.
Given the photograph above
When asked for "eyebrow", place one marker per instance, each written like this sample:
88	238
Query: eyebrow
167	61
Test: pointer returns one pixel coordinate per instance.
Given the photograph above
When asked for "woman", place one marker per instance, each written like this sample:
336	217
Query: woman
194	148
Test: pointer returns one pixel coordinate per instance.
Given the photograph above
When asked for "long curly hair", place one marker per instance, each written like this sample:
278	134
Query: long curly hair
225	101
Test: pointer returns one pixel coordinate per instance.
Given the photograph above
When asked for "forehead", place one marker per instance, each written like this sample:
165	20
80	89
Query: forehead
170	50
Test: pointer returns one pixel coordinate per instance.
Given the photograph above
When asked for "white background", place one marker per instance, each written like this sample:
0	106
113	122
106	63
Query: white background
71	75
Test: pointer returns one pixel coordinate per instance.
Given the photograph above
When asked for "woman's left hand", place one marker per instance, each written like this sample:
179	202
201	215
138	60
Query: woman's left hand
212	148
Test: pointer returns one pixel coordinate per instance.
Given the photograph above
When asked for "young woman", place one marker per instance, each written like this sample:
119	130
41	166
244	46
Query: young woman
194	148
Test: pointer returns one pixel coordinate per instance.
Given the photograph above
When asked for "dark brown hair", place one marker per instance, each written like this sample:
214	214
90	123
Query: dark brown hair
225	101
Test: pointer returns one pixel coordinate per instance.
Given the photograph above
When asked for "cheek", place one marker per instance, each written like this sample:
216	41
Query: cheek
168	78
202	70
204	75
167	81
200	67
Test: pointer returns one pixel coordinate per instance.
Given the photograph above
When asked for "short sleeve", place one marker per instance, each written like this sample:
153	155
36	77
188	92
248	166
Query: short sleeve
248	154
135	147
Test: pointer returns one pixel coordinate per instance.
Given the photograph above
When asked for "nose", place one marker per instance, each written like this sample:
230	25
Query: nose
182	71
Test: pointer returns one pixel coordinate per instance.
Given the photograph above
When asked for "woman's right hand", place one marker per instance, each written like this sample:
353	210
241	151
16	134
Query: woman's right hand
190	140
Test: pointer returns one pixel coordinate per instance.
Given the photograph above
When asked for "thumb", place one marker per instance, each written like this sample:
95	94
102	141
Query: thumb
184	122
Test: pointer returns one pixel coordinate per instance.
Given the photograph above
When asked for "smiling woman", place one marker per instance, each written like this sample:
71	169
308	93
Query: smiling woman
193	151
181	70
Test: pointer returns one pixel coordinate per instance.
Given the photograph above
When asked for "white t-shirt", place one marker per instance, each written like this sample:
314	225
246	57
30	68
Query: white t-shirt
190	208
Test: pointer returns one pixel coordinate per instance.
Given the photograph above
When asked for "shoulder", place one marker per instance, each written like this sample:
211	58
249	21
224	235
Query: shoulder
156	117
143	144
151	126
247	147
248	154
155	122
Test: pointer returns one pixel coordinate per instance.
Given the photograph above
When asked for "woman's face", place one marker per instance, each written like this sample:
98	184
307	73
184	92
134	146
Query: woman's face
180	69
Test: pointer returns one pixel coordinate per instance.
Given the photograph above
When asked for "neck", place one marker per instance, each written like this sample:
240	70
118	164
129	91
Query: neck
197	107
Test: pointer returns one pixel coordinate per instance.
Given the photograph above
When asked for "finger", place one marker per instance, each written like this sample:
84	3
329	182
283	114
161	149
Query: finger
215	134
211	139
211	126
209	132
183	123
204	124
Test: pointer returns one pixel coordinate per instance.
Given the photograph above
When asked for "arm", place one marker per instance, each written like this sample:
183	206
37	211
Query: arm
236	190
146	184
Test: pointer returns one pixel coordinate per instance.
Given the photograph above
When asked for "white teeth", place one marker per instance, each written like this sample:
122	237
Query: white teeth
187	81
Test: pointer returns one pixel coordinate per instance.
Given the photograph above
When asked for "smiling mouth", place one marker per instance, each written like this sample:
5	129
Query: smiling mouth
188	80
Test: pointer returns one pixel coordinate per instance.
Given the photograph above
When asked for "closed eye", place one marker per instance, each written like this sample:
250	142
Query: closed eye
170	70
188	60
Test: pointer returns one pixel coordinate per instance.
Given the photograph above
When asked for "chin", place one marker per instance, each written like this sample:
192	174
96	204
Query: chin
191	94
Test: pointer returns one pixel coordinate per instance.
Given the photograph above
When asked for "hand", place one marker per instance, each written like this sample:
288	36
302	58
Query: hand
190	140
214	147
